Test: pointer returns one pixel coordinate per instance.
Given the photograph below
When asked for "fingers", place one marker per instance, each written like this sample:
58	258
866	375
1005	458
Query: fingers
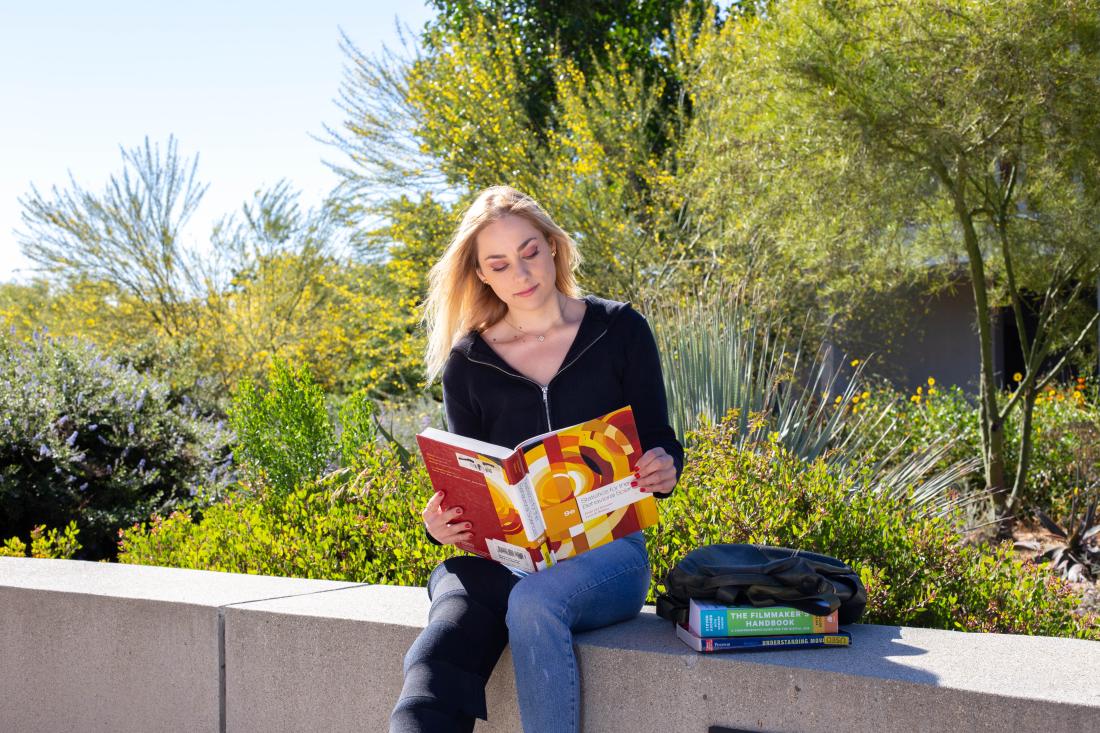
451	533
445	525
656	472
433	504
651	460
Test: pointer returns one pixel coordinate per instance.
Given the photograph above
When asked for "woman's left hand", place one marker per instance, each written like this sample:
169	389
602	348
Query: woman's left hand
655	472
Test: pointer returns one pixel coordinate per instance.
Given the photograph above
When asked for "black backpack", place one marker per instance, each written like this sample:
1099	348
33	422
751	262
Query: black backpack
757	575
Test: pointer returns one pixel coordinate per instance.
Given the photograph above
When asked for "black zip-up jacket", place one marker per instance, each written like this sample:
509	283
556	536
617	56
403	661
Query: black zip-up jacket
612	362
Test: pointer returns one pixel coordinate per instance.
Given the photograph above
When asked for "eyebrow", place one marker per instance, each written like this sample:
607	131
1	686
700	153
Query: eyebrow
520	246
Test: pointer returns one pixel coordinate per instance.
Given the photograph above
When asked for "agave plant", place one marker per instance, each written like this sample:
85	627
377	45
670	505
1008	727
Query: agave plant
1077	557
720	356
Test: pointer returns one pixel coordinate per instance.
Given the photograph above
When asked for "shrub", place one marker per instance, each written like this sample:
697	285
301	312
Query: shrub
284	434
324	499
1066	432
84	438
45	543
360	526
364	525
723	357
916	568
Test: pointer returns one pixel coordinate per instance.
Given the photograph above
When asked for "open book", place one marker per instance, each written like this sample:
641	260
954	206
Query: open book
551	497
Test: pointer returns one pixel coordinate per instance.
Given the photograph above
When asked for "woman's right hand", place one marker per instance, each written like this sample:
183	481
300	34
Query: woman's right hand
444	525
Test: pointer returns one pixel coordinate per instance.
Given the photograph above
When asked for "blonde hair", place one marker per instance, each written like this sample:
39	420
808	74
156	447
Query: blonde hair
458	301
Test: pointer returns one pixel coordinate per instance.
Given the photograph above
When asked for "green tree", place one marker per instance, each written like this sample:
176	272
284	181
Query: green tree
589	34
277	280
863	138
127	236
457	116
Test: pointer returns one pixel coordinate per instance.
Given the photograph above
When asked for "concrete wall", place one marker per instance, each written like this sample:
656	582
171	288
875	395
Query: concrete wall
913	335
107	647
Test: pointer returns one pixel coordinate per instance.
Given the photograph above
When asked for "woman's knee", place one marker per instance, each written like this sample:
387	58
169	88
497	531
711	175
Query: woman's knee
530	610
487	582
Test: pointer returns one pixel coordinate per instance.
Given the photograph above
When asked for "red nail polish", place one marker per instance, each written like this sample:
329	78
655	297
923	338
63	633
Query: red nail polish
633	483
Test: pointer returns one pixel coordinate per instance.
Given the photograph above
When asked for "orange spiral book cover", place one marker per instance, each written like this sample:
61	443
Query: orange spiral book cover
551	497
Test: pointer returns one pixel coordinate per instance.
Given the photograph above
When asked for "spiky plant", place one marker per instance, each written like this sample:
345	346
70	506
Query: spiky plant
721	356
1077	557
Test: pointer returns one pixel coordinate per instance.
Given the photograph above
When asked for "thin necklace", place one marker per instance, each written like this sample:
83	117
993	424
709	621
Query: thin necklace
541	337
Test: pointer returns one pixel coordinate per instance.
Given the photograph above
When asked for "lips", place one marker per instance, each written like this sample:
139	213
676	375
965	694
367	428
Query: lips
525	293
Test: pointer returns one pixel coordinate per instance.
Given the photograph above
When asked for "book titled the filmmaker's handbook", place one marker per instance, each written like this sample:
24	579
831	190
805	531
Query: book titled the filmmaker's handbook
708	619
553	496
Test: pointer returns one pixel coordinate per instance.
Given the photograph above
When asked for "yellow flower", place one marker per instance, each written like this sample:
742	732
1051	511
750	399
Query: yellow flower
1038	400
865	395
838	399
931	390
931	381
855	399
915	398
919	390
855	362
1017	377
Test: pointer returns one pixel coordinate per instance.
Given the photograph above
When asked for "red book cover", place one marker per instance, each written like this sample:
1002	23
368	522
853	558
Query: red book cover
481	478
554	496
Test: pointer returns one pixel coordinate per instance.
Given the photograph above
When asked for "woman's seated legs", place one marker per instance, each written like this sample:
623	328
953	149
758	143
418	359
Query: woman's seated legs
597	588
448	665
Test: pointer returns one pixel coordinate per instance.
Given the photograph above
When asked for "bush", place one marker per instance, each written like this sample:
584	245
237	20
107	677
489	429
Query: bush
324	499
45	543
85	439
1065	436
362	523
916	568
362	526
284	434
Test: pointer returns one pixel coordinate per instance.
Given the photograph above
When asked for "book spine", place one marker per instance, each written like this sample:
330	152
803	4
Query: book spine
729	643
709	621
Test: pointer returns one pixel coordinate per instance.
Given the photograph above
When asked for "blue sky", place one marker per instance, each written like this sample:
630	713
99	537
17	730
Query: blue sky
242	84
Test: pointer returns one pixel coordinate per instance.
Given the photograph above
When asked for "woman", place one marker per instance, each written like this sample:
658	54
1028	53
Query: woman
520	354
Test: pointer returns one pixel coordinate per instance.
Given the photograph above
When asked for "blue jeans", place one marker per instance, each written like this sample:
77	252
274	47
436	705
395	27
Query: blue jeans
594	589
478	606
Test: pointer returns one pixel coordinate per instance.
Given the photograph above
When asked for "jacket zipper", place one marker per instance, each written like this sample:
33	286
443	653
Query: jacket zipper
545	389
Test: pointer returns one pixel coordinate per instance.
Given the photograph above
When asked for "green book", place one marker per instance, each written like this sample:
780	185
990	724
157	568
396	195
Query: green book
710	620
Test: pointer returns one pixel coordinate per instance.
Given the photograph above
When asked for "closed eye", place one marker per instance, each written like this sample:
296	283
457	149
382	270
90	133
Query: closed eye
530	256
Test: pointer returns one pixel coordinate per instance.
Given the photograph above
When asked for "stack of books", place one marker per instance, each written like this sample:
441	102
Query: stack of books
714	627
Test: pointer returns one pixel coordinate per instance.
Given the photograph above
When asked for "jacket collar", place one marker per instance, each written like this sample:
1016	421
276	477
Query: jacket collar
598	317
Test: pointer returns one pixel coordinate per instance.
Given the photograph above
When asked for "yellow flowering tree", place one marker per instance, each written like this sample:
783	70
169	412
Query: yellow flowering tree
456	117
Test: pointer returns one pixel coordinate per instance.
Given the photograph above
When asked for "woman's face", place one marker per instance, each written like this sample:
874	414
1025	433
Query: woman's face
514	258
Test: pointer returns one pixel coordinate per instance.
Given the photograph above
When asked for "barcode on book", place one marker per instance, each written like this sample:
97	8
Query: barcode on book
480	465
510	555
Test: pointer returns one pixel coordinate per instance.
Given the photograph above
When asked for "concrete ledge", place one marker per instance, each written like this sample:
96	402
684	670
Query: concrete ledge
100	647
88	646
